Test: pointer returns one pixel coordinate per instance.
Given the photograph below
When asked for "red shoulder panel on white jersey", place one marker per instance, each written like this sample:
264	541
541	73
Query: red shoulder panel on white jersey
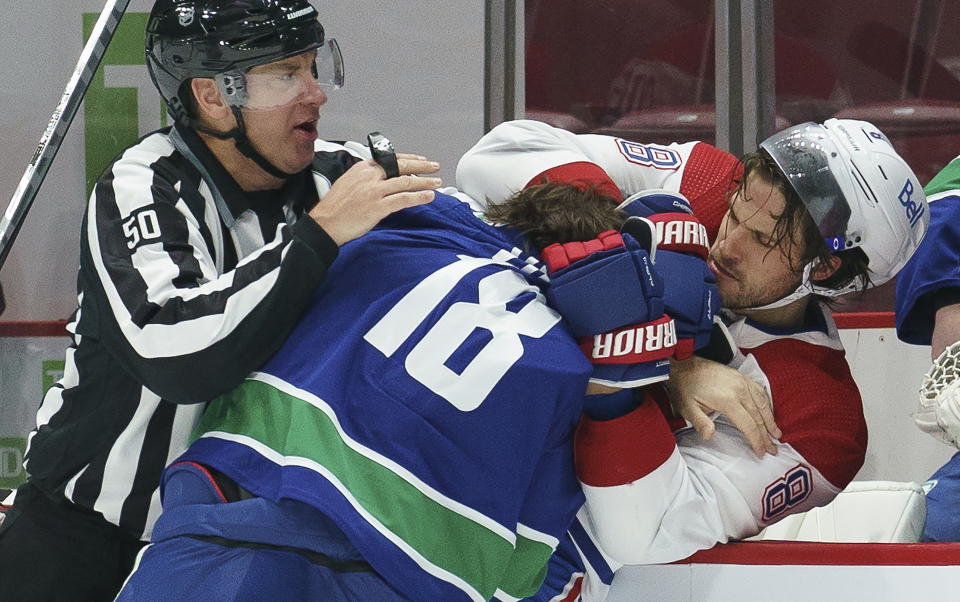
817	405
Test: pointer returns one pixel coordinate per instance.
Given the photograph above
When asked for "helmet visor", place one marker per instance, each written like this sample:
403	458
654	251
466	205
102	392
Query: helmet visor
809	159
279	84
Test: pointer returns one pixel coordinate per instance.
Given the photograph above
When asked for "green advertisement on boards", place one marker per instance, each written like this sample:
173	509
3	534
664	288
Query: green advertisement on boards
52	372
11	462
112	109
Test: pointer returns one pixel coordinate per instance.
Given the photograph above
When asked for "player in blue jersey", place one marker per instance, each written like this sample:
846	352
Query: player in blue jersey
412	438
928	313
928	288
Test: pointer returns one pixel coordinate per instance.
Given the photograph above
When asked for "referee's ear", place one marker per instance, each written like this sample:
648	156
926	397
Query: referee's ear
211	107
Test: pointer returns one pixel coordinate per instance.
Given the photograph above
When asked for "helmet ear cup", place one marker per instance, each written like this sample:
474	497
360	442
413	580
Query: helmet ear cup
186	39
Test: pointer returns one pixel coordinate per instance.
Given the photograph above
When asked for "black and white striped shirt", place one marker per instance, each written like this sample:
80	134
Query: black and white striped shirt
186	284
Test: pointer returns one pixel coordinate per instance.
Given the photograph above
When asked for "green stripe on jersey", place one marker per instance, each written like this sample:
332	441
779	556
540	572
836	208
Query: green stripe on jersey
446	538
947	179
528	568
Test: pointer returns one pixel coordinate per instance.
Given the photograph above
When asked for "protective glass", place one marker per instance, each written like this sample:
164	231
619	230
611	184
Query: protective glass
811	160
276	85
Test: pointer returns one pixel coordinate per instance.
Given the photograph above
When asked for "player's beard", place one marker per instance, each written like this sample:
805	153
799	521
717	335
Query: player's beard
747	295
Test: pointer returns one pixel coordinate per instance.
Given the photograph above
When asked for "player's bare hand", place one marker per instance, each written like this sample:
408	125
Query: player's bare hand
699	386
363	196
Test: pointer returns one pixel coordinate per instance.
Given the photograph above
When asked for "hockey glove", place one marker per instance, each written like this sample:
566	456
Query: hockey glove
690	297
607	285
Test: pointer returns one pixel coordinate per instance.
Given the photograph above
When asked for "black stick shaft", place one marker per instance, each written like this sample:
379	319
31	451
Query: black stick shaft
60	121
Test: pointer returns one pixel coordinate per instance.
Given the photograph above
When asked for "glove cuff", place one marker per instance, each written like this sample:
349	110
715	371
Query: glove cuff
560	255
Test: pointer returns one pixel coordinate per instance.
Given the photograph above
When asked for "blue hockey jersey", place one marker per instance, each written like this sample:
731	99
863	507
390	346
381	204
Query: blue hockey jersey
425	403
936	263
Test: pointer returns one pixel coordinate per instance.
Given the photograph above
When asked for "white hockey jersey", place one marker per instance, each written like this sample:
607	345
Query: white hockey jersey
656	492
517	153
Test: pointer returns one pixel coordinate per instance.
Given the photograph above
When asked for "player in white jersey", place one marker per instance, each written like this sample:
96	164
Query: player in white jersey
818	211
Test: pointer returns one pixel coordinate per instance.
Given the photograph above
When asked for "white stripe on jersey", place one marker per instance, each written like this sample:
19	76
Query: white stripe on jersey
72	483
163	340
184	421
208	267
538	536
119	478
119	471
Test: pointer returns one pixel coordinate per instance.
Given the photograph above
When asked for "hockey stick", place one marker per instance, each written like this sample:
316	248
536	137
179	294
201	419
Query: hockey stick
60	121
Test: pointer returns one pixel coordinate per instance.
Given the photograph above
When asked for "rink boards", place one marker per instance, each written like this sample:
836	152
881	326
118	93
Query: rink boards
799	572
31	360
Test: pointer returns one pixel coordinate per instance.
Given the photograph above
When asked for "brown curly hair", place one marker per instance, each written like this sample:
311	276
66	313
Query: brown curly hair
554	212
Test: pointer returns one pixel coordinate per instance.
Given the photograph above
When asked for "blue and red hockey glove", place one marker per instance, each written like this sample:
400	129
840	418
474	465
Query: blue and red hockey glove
608	286
690	295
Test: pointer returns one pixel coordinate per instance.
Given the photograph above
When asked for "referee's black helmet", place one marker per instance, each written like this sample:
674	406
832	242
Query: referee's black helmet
202	38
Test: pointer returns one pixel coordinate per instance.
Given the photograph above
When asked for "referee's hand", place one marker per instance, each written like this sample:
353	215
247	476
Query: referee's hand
363	196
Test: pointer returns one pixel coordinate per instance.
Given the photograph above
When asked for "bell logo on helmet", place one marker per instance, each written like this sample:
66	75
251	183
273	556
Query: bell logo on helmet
186	16
913	209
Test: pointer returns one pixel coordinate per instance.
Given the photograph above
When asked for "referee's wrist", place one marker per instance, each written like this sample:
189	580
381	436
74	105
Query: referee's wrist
314	236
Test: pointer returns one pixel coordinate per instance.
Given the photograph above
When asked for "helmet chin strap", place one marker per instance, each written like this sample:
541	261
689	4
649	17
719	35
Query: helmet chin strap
808	288
805	288
240	139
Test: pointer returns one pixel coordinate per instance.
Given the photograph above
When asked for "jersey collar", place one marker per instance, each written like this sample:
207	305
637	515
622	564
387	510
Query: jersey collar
233	201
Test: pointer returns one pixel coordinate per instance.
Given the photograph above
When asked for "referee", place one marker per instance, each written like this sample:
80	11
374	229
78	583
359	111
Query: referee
200	247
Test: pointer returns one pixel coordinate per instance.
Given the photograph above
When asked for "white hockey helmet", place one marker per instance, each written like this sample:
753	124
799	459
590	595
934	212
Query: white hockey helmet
858	190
